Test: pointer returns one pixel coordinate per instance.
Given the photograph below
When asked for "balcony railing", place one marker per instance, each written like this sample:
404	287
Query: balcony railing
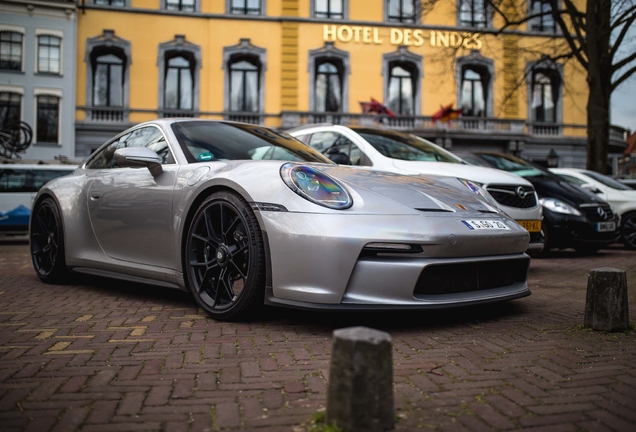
467	124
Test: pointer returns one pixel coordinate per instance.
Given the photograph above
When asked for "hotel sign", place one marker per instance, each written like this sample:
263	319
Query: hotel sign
400	36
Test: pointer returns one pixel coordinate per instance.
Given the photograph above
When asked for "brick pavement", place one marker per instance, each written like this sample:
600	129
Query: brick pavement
102	355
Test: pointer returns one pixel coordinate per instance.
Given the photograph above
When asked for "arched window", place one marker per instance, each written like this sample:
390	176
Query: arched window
108	78
474	74
545	93
244	91
178	62
107	83
402	88
244	84
328	86
179	82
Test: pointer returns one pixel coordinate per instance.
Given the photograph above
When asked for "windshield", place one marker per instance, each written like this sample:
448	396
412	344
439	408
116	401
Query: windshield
396	145
607	181
513	165
204	141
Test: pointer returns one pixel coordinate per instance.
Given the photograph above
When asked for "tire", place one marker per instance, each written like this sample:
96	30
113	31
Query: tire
224	258
628	230
46	239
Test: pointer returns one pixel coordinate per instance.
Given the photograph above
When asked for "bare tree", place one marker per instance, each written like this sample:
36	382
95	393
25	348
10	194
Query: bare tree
593	37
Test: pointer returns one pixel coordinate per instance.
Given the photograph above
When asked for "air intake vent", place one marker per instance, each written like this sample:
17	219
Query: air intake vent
465	277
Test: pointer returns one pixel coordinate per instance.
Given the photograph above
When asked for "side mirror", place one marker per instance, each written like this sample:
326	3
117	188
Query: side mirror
591	188
139	157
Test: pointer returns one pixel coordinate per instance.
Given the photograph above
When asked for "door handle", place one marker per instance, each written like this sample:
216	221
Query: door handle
95	195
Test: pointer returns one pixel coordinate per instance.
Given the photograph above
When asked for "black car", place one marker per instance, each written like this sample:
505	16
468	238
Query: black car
572	216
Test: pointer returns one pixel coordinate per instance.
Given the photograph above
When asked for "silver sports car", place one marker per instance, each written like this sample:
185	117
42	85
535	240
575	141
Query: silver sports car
241	216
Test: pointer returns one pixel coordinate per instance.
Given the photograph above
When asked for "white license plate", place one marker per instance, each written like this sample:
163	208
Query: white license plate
605	226
475	224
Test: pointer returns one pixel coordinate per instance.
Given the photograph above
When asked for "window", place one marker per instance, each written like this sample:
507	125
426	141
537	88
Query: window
245	7
544	96
401	11
11	50
181	5
338	148
49	54
48	119
401	98
543	22
179	82
244	84
328	87
120	3
333	9
108	79
149	136
472	13
10	108
473	98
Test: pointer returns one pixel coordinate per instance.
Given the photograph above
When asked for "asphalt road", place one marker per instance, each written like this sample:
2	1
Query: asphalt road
102	355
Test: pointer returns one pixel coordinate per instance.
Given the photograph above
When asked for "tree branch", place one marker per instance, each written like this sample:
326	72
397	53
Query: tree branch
619	81
619	39
630	58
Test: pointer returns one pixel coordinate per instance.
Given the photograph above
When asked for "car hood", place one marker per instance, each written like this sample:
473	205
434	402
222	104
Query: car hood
550	187
478	174
373	192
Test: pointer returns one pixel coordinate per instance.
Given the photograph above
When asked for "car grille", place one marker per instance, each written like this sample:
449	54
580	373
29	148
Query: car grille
465	277
591	211
507	195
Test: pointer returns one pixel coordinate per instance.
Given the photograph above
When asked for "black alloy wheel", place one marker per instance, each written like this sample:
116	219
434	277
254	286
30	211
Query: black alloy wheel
47	243
224	257
628	230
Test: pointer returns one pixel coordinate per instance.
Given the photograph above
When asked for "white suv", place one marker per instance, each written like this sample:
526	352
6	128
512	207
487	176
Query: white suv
402	153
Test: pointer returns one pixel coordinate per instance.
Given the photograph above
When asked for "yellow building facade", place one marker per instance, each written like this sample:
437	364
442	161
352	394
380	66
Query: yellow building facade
284	63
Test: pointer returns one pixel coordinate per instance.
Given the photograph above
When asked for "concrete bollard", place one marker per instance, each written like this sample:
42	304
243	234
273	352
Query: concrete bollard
606	305
360	393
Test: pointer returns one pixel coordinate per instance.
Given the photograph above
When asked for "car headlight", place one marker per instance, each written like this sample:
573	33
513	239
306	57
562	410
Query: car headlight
559	206
315	186
476	188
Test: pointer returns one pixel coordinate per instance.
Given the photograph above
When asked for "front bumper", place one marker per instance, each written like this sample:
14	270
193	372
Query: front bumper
320	261
569	231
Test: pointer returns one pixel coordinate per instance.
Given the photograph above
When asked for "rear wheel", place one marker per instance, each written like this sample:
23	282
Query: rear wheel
224	258
47	243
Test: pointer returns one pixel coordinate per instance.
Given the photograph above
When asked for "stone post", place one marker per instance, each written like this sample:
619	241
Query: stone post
360	393
606	305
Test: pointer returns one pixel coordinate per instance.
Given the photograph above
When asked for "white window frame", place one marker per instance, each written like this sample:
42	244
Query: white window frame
22	31
48	32
43	91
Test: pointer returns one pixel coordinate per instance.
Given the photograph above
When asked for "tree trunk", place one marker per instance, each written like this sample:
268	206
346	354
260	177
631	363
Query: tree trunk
599	80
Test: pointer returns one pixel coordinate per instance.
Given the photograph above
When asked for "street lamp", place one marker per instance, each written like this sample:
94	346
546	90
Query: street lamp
553	159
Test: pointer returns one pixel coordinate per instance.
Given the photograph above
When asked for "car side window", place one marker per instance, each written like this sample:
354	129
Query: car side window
151	137
104	158
572	179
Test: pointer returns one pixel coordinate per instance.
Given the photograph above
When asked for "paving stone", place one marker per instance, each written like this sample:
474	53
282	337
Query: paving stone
155	362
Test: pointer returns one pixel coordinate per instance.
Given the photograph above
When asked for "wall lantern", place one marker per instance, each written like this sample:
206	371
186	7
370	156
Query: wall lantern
553	159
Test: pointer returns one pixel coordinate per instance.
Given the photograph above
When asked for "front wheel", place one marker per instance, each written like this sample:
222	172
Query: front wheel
47	243
628	231
224	257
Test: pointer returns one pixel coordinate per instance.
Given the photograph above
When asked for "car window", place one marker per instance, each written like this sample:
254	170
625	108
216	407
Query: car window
203	141
516	166
572	179
151	137
104	158
607	181
321	141
406	147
